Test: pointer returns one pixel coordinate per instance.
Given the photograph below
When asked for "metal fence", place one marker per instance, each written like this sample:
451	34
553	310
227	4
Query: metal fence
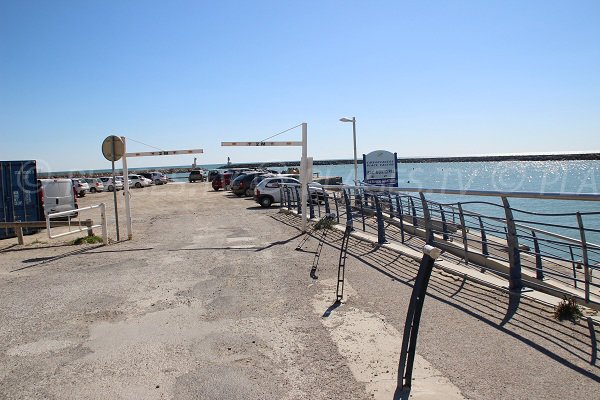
547	250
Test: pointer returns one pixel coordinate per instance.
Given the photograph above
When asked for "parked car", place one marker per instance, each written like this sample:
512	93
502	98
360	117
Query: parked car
158	178
96	184
221	181
120	178
138	181
240	186
80	186
57	195
212	173
196	175
257	179
109	185
267	191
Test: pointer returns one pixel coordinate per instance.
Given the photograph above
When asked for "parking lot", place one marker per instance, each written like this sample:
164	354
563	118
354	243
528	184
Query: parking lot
211	301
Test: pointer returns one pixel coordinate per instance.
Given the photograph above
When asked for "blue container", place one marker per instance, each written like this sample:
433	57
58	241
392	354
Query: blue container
19	199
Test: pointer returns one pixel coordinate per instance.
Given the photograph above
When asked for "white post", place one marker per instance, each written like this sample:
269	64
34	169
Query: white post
104	225
355	160
126	190
303	175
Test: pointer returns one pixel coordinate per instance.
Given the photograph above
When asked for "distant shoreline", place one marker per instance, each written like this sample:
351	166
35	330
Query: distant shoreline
490	158
513	157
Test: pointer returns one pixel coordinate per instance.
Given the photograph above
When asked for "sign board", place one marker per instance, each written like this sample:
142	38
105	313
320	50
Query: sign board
107	148
164	153
380	167
261	143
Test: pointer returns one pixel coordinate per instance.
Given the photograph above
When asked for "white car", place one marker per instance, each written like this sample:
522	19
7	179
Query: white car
120	178
108	183
267	191
81	187
138	181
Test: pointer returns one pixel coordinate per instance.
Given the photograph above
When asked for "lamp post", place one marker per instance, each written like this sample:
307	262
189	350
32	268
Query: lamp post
353	120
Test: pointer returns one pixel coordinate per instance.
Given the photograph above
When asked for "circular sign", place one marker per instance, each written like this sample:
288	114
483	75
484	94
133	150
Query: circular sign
113	153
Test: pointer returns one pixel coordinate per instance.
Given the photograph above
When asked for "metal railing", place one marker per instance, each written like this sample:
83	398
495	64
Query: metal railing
77	226
547	250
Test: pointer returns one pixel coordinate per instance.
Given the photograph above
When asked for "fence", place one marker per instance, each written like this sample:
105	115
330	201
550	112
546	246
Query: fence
76	226
547	250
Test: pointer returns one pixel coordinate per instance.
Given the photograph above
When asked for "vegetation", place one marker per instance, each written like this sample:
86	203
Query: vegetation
327	222
568	309
87	239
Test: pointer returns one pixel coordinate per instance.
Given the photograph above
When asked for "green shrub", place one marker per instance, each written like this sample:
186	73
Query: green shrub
326	222
87	239
568	309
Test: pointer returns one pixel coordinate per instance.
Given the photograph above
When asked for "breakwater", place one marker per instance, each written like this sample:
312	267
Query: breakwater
507	157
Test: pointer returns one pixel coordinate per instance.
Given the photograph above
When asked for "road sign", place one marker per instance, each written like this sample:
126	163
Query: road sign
261	144
113	152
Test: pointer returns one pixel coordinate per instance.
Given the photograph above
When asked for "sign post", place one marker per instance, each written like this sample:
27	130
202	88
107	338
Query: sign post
113	149
304	164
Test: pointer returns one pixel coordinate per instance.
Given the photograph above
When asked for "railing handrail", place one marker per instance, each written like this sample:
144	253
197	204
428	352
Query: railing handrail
486	193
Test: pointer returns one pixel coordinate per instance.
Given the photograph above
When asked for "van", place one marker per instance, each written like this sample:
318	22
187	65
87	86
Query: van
57	195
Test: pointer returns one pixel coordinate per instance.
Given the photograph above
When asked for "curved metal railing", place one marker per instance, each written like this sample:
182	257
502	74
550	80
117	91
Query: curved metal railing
556	251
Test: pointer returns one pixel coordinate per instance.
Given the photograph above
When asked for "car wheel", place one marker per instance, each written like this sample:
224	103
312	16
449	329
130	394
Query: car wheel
265	202
138	185
93	190
82	193
111	188
239	194
249	192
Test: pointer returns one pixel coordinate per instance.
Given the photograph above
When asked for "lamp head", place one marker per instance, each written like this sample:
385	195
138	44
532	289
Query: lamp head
344	119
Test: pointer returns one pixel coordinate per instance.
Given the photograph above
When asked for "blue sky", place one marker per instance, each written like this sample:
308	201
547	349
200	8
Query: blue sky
423	78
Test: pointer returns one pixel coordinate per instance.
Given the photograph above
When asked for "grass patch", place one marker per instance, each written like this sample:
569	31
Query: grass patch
327	222
568	309
87	240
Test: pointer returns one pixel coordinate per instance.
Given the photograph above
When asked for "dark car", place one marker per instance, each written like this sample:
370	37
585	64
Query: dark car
221	181
257	180
213	173
196	175
241	185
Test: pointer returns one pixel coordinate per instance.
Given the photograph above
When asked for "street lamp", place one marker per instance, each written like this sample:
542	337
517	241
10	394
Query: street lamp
353	120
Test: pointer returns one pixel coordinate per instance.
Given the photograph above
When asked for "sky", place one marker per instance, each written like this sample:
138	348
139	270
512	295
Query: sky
422	78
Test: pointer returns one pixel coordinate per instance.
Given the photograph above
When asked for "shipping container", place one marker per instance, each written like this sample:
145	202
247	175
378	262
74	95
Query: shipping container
19	199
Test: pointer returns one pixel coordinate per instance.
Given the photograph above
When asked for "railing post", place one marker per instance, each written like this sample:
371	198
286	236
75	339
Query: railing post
444	224
539	272
400	216
362	208
514	255
349	221
337	210
298	202
584	251
573	266
427	217
311	206
327	206
282	200
484	243
380	223
414	212
461	216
